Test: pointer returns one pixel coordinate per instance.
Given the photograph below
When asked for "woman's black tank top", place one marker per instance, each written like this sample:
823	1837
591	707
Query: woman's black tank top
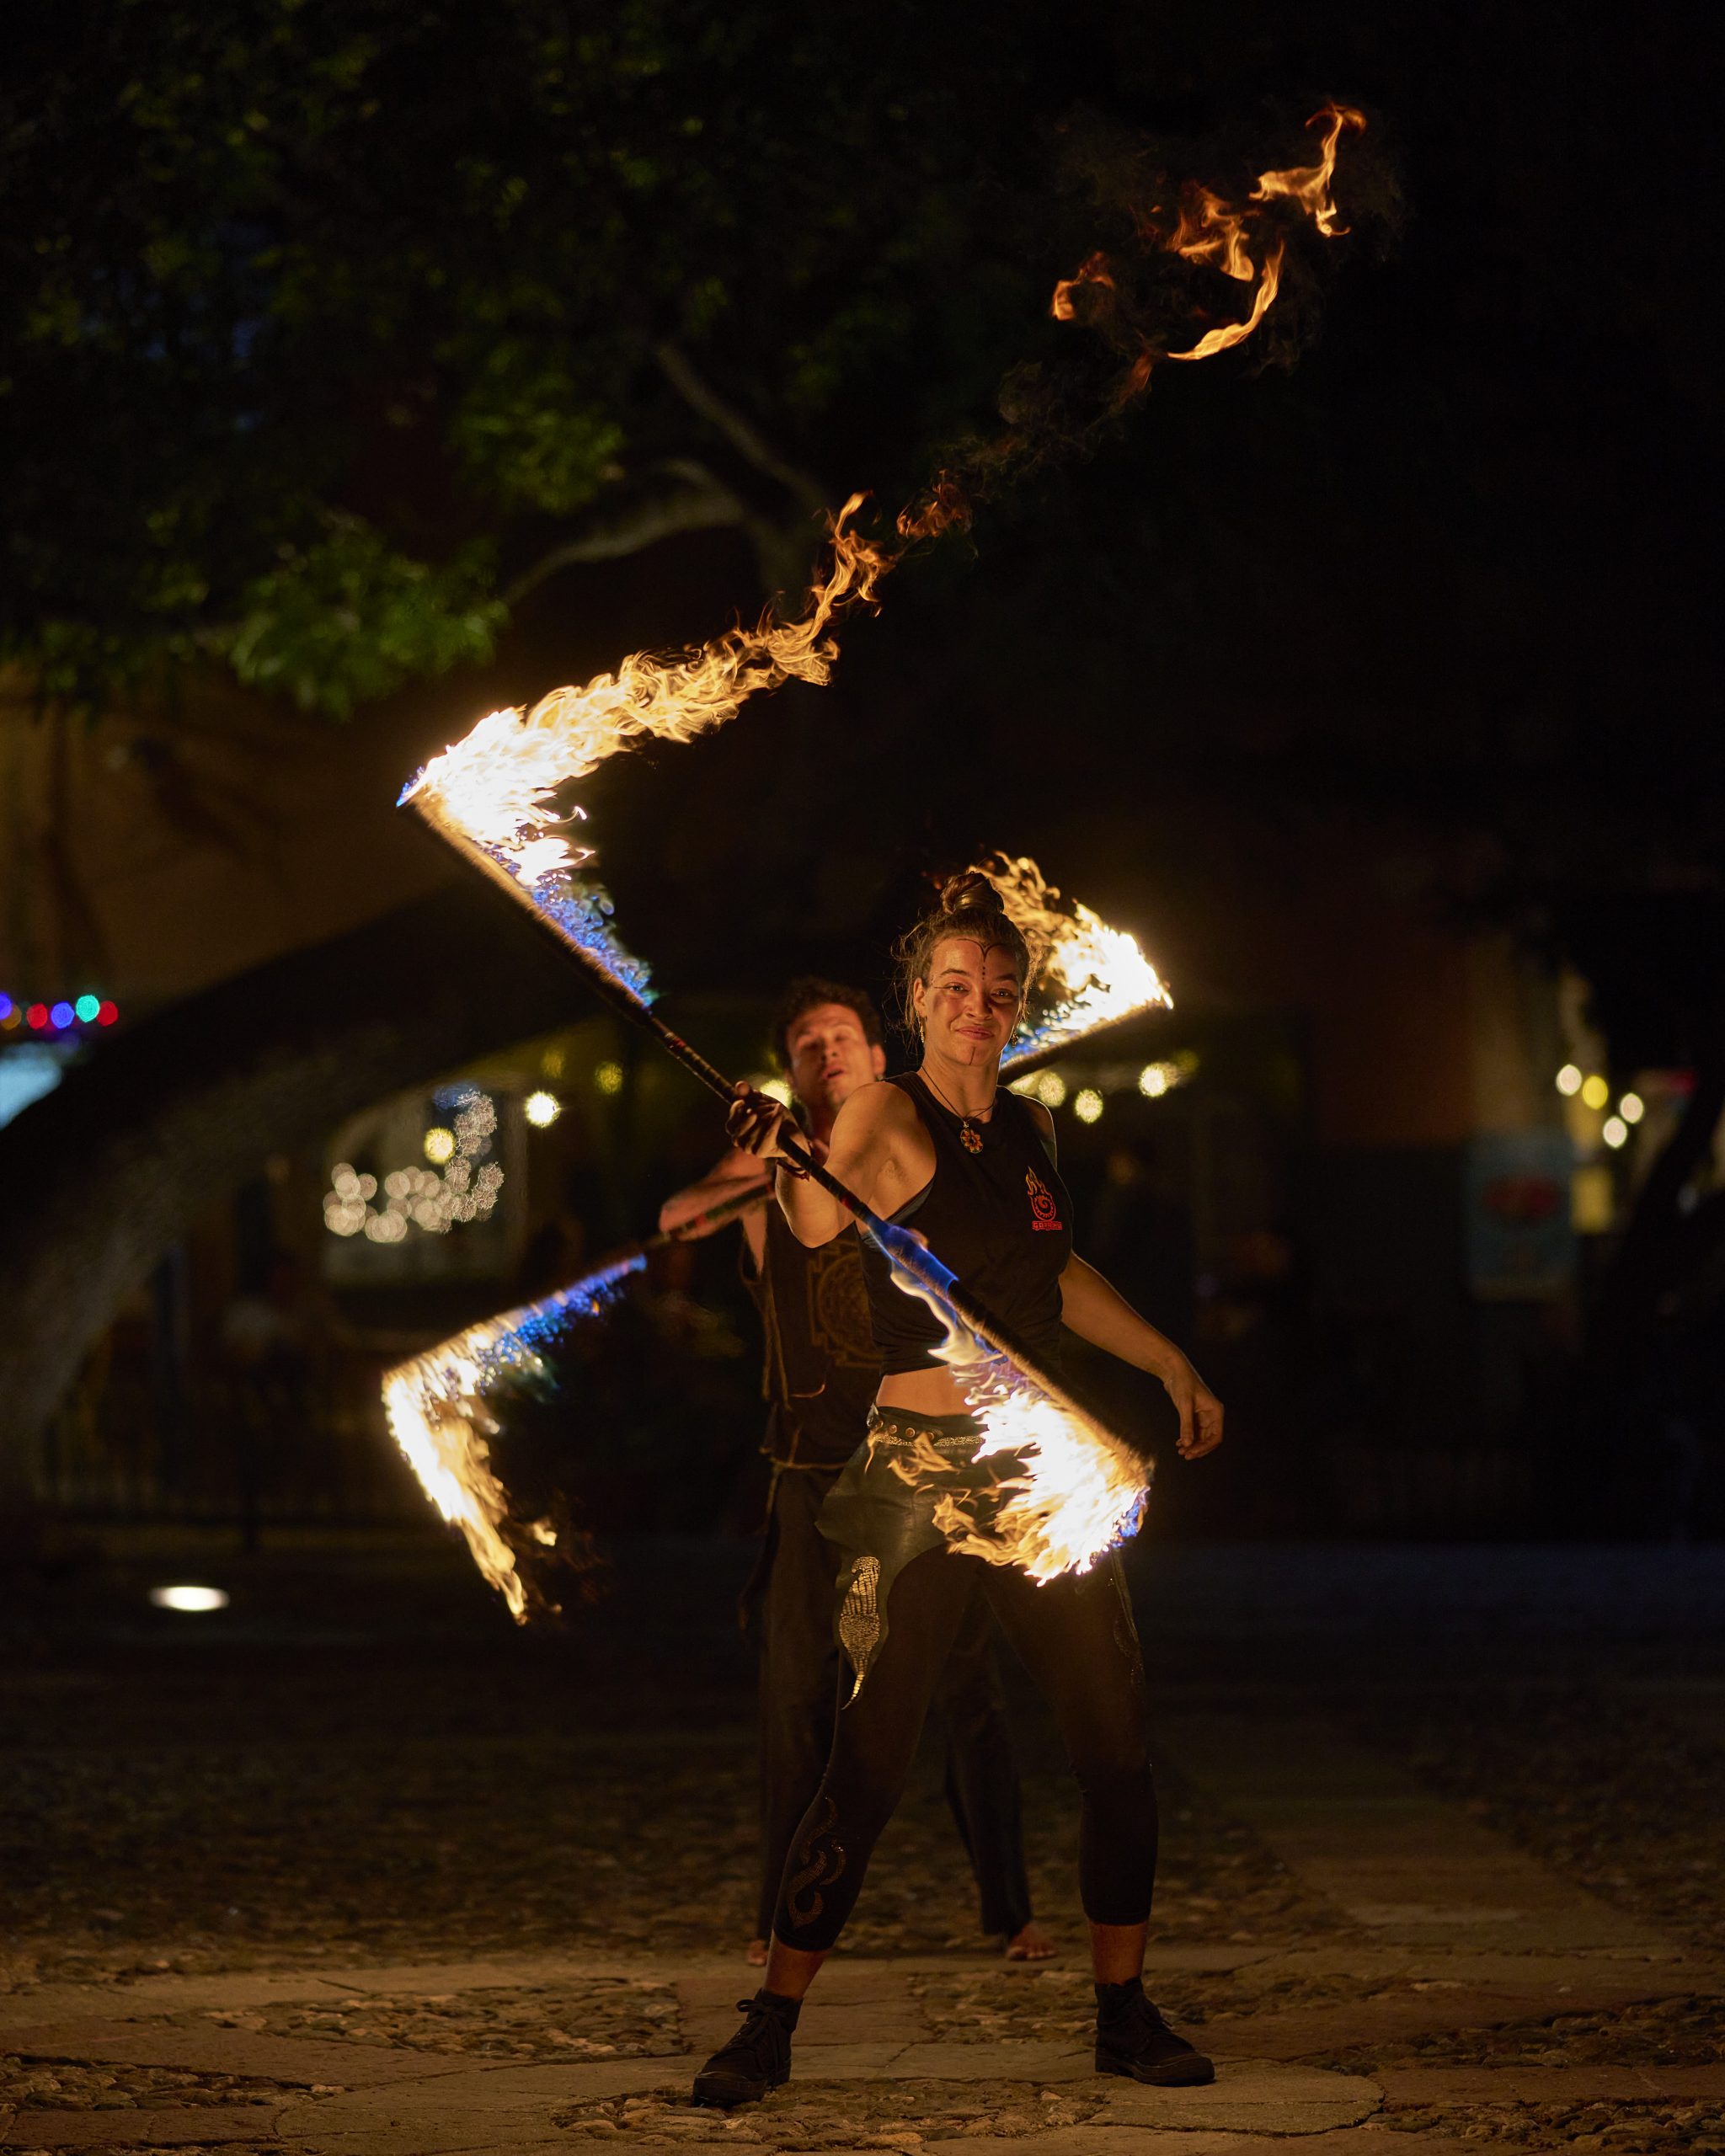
999	1220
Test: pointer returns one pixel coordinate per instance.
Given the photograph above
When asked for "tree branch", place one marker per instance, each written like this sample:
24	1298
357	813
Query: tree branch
701	397
698	502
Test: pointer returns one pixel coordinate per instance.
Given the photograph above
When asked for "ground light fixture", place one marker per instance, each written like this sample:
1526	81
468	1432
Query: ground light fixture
191	1600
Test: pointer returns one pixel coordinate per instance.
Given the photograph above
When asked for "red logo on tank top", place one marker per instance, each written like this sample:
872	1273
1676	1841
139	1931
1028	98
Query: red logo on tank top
1043	1212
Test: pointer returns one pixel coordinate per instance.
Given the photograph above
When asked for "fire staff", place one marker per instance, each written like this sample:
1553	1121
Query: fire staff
822	1370
971	1167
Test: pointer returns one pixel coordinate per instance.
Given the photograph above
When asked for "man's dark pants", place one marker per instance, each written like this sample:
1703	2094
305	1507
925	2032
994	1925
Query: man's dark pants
799	1691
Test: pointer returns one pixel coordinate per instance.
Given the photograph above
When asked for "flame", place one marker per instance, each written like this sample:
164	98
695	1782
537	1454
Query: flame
1071	1490
1087	974
497	785
1208	230
438	1411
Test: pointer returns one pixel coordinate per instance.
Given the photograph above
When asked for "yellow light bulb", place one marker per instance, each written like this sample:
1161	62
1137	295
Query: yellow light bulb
542	1109
1594	1092
439	1144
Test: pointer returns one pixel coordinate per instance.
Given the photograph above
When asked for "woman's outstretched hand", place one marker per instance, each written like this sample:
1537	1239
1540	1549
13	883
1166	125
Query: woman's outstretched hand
1199	1410
758	1124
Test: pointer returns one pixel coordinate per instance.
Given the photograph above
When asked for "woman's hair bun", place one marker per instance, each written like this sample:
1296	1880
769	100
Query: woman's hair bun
971	892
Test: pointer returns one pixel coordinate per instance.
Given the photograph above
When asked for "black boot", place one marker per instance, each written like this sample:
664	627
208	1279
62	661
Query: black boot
757	2059
1132	2039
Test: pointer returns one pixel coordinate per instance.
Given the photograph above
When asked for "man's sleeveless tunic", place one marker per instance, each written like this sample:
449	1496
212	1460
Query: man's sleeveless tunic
821	1365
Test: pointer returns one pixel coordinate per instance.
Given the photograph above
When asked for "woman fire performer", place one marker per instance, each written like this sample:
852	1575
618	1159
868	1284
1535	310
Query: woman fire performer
971	1168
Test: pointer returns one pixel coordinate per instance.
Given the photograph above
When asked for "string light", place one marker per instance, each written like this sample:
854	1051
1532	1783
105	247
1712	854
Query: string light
1088	1107
1568	1081
439	1144
542	1110
1615	1131
608	1077
1631	1108
59	1016
1594	1092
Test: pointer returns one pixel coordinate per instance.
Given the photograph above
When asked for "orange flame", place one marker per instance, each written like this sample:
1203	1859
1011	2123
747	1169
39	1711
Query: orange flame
1211	231
1086	974
1069	1491
496	784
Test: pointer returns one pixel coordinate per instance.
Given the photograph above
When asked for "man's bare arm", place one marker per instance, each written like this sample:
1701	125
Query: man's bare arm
720	1182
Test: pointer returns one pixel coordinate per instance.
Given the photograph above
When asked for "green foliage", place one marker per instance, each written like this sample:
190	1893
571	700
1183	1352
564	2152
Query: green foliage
347	620
357	308
524	439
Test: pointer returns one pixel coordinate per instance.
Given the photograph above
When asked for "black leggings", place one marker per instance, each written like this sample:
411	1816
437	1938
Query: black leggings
1076	1637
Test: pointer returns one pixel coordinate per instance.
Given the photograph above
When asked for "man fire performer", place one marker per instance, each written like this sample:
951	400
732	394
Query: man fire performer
972	1167
821	1373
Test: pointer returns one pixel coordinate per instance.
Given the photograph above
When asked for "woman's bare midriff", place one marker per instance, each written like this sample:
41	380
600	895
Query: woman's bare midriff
923	1392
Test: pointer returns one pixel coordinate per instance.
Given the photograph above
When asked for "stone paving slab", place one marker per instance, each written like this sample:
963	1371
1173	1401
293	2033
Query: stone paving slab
1671	1967
1252	2095
1446	2004
1551	2084
1359	1829
180	2126
512	2103
303	2062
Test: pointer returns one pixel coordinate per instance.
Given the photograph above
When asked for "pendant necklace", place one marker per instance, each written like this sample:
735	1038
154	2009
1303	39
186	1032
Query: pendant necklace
969	1126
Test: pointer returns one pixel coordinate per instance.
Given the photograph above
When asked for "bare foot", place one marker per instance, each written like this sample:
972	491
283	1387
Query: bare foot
1033	1944
756	1955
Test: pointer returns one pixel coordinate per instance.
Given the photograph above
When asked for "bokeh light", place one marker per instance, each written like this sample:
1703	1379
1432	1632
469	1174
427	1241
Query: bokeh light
1568	1081
87	1007
61	1015
1594	1092
542	1109
1614	1130
439	1144
1051	1089
1631	1108
1087	1106
608	1077
189	1598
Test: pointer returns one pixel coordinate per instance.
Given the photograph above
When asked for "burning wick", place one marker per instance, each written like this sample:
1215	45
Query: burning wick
437	1404
1088	975
1076	1491
439	1411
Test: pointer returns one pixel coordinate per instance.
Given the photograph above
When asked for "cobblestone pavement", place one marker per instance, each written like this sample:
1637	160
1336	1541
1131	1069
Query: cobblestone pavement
369	1875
